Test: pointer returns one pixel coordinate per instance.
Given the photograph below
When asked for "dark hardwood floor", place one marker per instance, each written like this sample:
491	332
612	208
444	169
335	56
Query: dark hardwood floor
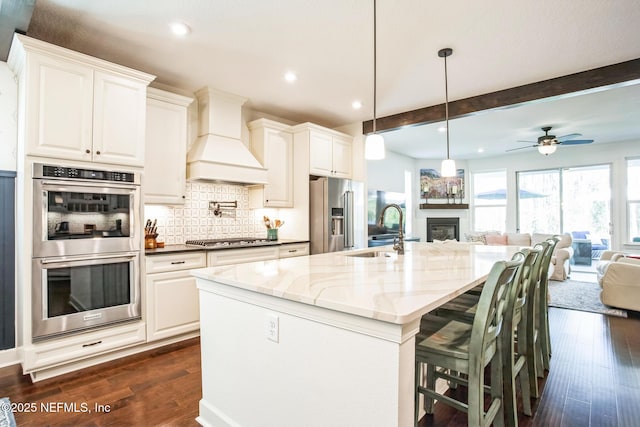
158	387
594	381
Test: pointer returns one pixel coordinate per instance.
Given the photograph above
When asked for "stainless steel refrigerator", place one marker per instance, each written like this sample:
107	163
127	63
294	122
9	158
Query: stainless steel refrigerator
336	209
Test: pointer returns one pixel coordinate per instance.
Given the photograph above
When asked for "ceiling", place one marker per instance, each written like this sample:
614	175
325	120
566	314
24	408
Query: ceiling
246	46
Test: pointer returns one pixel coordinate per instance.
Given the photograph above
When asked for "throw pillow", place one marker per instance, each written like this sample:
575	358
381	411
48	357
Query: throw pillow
476	237
496	239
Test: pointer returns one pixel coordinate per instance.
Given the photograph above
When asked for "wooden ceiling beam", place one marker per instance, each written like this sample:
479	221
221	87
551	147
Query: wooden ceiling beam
610	76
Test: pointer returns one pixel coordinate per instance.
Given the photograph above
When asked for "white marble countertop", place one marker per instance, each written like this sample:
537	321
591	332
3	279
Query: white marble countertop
396	289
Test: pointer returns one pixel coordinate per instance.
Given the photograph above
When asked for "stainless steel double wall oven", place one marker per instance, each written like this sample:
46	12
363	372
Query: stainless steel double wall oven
86	249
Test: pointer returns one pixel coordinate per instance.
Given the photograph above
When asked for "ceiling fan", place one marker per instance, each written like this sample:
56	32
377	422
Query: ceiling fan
547	144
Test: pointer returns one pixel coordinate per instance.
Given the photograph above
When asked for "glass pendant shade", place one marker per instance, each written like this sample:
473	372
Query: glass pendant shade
448	168
547	149
374	147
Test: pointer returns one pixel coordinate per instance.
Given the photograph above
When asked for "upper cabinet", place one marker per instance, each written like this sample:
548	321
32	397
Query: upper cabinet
76	107
165	163
330	152
272	144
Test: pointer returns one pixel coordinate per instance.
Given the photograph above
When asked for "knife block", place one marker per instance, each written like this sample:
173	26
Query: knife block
150	241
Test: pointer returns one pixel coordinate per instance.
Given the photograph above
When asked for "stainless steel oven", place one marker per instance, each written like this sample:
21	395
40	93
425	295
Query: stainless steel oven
72	294
86	249
81	211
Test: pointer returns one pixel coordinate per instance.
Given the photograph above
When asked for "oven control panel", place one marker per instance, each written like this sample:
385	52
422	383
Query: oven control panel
63	172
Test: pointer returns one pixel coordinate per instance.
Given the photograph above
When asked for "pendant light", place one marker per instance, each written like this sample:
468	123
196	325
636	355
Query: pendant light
374	143
448	168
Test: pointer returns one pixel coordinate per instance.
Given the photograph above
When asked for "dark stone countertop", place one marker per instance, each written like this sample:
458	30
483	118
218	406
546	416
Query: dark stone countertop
172	249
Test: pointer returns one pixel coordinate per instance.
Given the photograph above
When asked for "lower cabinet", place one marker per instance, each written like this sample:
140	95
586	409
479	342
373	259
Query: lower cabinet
239	256
75	348
289	250
172	305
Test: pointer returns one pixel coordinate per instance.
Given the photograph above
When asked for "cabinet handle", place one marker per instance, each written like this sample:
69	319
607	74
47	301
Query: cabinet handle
98	152
92	344
87	151
292	251
177	262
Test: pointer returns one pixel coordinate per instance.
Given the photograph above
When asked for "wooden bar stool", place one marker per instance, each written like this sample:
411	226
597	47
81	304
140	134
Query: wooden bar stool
445	345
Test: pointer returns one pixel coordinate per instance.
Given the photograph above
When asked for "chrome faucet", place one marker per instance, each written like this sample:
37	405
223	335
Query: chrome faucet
398	242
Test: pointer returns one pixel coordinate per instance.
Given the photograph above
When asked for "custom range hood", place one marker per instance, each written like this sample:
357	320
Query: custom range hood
219	153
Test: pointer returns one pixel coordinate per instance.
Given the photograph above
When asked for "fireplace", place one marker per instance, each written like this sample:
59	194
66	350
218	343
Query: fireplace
443	229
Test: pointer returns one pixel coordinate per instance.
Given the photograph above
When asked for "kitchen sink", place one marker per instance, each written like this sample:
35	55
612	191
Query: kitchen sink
374	254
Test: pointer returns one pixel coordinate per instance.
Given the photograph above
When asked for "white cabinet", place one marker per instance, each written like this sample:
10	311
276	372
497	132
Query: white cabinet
64	350
272	144
289	250
77	107
239	256
330	152
172	304
165	164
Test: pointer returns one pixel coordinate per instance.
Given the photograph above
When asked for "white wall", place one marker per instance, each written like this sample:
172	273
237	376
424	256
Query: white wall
388	174
8	118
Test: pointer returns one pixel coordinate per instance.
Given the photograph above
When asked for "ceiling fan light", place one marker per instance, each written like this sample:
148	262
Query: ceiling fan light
448	168
374	147
547	149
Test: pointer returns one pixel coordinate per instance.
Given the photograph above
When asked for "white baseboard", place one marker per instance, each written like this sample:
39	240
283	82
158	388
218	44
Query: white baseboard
9	357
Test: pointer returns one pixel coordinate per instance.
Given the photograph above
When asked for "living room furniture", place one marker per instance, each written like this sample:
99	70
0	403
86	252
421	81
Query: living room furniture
619	277
560	267
581	251
597	246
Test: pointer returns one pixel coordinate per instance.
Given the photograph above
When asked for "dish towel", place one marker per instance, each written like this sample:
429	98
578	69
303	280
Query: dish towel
6	415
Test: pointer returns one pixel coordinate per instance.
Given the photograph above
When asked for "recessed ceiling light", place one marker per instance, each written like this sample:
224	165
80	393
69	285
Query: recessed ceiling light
356	105
290	76
442	129
480	150
180	28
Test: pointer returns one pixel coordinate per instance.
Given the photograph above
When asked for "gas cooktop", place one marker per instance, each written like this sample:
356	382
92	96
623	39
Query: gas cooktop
231	242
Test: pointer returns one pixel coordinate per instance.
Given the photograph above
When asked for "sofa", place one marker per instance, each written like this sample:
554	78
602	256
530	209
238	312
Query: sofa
560	267
619	278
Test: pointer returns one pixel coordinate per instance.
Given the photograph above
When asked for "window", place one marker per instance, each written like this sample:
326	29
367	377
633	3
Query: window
490	201
568	200
633	200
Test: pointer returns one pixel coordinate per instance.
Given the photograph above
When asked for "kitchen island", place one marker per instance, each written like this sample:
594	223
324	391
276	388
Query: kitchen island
325	340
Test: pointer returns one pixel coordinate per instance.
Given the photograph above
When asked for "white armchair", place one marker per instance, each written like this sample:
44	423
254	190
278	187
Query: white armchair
619	278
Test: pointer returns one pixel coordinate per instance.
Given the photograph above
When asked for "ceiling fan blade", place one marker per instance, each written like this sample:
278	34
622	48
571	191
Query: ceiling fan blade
576	142
520	148
567	137
521	140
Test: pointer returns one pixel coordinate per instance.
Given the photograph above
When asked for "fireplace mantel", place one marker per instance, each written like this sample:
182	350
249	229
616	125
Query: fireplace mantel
444	206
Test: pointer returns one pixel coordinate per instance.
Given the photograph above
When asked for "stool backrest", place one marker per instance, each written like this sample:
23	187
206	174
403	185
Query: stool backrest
489	318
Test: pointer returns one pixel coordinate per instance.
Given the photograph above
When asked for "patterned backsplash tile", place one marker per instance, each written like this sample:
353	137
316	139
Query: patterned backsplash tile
194	220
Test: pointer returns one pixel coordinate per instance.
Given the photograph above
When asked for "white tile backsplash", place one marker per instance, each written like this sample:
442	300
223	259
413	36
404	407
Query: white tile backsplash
194	220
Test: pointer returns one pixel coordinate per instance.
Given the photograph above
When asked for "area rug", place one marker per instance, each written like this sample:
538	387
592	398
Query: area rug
6	414
582	296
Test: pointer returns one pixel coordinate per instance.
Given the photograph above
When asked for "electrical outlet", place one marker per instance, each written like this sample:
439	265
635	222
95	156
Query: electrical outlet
272	327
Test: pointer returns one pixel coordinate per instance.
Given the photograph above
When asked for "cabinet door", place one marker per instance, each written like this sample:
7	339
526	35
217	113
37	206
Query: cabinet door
59	108
165	153
320	154
294	249
341	157
118	120
172	304
279	161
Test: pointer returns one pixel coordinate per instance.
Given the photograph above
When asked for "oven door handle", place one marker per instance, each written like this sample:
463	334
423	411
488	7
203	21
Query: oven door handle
64	184
123	256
